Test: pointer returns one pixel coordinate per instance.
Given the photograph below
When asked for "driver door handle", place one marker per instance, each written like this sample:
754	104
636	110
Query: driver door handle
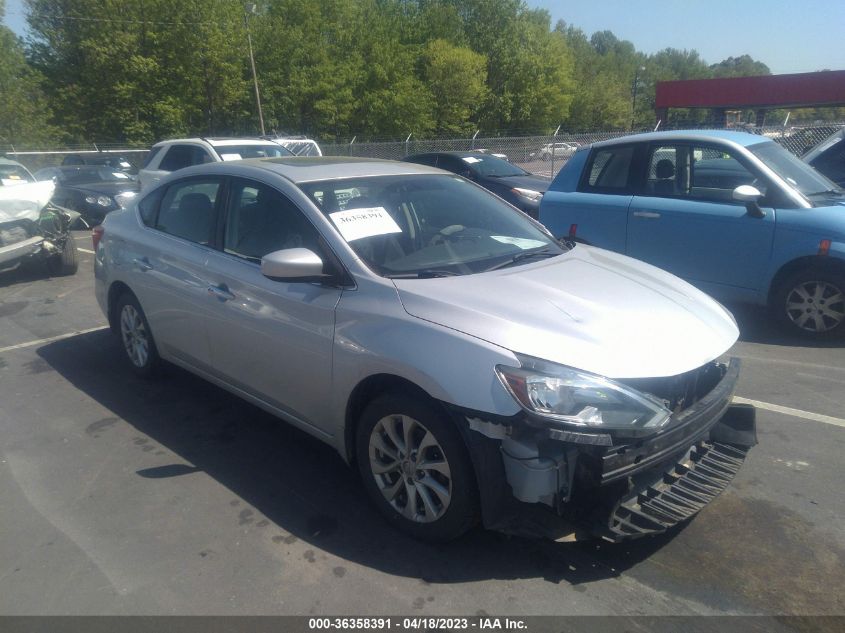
220	292
143	264
646	214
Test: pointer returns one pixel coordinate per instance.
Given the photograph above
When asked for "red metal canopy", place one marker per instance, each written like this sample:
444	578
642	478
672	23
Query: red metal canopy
826	88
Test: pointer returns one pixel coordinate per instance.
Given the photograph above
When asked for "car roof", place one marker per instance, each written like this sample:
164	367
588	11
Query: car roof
303	169
217	142
743	139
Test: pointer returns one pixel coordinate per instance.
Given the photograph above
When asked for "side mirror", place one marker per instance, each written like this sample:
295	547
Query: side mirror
750	195
292	264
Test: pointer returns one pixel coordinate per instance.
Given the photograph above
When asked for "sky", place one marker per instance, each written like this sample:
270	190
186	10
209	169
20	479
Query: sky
789	37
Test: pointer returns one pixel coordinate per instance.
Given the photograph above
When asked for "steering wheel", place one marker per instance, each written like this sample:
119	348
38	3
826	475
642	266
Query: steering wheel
445	234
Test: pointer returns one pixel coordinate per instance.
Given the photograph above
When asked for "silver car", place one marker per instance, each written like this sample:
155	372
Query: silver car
469	365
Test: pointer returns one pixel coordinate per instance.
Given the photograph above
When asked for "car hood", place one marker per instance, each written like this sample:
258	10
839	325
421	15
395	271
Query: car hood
24	202
525	182
588	308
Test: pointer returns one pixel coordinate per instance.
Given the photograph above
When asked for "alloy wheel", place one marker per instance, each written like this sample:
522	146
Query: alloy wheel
816	306
410	468
134	335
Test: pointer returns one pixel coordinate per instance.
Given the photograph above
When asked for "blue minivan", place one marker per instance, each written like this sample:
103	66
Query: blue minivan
733	213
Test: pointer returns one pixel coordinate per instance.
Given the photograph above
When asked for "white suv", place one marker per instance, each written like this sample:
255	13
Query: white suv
168	156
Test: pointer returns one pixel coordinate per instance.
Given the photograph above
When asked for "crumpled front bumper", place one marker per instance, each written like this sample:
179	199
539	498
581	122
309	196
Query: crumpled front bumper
574	486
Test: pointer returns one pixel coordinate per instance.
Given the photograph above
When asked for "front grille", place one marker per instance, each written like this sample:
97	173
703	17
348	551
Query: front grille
682	491
681	391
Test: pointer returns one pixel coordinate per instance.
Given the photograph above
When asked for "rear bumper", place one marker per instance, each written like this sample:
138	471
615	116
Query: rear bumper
573	488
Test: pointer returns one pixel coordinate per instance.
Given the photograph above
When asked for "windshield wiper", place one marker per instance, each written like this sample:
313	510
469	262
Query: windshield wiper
424	274
543	253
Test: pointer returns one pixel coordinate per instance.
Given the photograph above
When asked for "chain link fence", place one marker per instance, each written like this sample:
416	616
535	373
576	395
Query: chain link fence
541	155
546	155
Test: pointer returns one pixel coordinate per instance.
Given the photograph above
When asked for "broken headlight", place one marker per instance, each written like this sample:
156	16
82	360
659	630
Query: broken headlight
574	397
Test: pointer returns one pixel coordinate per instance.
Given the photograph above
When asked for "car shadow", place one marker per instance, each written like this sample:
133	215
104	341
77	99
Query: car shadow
757	326
23	273
300	484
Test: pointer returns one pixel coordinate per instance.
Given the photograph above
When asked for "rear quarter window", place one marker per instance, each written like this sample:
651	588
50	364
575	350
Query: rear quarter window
608	170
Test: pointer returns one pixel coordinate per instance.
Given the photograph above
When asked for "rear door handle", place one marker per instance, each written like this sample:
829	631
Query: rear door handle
646	214
220	292
143	264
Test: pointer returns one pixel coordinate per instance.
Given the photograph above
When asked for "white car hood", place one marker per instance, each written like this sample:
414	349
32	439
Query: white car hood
24	202
589	308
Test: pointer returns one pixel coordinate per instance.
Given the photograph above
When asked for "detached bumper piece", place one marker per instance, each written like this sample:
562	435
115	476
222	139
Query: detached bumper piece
683	491
690	484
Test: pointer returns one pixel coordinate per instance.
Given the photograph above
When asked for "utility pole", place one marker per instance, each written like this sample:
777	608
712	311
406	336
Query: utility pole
253	8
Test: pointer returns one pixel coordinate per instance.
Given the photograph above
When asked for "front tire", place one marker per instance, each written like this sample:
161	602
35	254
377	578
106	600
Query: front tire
416	468
812	303
136	337
66	262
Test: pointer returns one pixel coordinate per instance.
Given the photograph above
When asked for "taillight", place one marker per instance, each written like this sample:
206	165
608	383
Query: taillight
573	230
97	235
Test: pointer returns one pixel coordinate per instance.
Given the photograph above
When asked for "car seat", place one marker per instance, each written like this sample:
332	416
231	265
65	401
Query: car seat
665	173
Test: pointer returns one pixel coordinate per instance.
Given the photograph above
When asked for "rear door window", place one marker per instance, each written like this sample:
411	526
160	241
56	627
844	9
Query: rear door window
188	210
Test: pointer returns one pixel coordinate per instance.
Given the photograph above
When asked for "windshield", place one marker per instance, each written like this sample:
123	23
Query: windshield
428	225
11	174
792	169
237	152
487	165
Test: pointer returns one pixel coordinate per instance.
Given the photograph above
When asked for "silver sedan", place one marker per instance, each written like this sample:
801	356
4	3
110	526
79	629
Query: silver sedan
469	365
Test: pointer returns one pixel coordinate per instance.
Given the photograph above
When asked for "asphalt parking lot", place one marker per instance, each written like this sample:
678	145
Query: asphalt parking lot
120	496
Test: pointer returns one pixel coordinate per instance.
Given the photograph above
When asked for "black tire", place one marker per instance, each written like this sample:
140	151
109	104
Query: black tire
66	262
809	292
461	512
134	330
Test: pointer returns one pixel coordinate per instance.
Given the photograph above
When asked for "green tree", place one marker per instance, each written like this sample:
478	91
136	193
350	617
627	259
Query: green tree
457	78
742	66
24	113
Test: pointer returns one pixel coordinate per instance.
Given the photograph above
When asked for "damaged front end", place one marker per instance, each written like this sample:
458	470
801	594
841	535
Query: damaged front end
566	477
31	226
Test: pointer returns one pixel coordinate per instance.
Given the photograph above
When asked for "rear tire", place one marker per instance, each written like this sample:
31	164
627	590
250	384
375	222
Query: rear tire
416	468
811	303
135	336
66	262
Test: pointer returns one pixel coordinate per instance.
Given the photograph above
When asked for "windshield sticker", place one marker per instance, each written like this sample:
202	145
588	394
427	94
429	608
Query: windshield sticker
471	159
521	242
355	224
230	156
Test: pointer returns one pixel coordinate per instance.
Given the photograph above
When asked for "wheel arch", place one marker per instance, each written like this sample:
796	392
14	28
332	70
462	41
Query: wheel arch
116	290
803	263
365	392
